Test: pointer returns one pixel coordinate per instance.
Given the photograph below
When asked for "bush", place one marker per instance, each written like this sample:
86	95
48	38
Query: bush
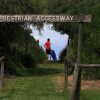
62	54
39	54
13	67
28	60
91	73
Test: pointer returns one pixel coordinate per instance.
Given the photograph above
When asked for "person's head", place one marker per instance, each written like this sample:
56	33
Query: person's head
48	39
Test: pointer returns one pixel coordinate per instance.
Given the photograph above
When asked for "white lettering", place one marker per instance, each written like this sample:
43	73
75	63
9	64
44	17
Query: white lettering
19	18
57	18
71	18
38	18
67	18
62	18
12	18
42	18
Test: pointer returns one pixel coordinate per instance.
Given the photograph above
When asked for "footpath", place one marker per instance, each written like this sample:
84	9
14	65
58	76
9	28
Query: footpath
39	85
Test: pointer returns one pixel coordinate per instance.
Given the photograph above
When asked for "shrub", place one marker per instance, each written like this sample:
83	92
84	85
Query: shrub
14	67
28	60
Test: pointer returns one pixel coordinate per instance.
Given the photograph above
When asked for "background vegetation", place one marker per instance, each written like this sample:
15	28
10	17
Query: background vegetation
15	39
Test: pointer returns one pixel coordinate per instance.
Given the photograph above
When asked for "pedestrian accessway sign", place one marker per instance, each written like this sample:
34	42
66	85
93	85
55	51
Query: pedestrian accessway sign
45	18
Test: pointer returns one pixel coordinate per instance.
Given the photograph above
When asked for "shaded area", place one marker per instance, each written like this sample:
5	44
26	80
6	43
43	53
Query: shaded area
44	71
52	68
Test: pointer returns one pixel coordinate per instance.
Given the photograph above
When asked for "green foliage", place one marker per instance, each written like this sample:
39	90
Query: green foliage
28	60
14	67
91	43
39	54
18	44
62	55
15	38
57	6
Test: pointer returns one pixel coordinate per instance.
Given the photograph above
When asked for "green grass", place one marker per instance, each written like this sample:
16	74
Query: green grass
90	94
38	85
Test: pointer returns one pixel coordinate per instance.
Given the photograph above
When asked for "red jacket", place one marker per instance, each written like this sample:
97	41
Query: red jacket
48	45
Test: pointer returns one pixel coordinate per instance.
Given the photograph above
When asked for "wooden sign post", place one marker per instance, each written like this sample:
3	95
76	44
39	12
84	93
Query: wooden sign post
75	94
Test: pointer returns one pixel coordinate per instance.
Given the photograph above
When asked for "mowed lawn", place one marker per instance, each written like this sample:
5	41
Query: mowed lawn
38	84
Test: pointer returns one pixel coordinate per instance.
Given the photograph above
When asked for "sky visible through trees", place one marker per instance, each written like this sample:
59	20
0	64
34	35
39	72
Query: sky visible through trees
58	41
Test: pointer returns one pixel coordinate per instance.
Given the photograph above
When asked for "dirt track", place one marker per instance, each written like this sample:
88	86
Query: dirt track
85	84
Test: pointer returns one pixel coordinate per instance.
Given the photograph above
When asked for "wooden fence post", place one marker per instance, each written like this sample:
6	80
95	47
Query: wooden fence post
66	65
65	75
2	74
75	93
66	70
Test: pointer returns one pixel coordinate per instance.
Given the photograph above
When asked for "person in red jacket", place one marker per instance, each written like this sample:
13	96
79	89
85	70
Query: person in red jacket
47	46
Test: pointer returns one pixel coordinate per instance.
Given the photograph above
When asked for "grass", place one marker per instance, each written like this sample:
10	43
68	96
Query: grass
38	85
92	94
